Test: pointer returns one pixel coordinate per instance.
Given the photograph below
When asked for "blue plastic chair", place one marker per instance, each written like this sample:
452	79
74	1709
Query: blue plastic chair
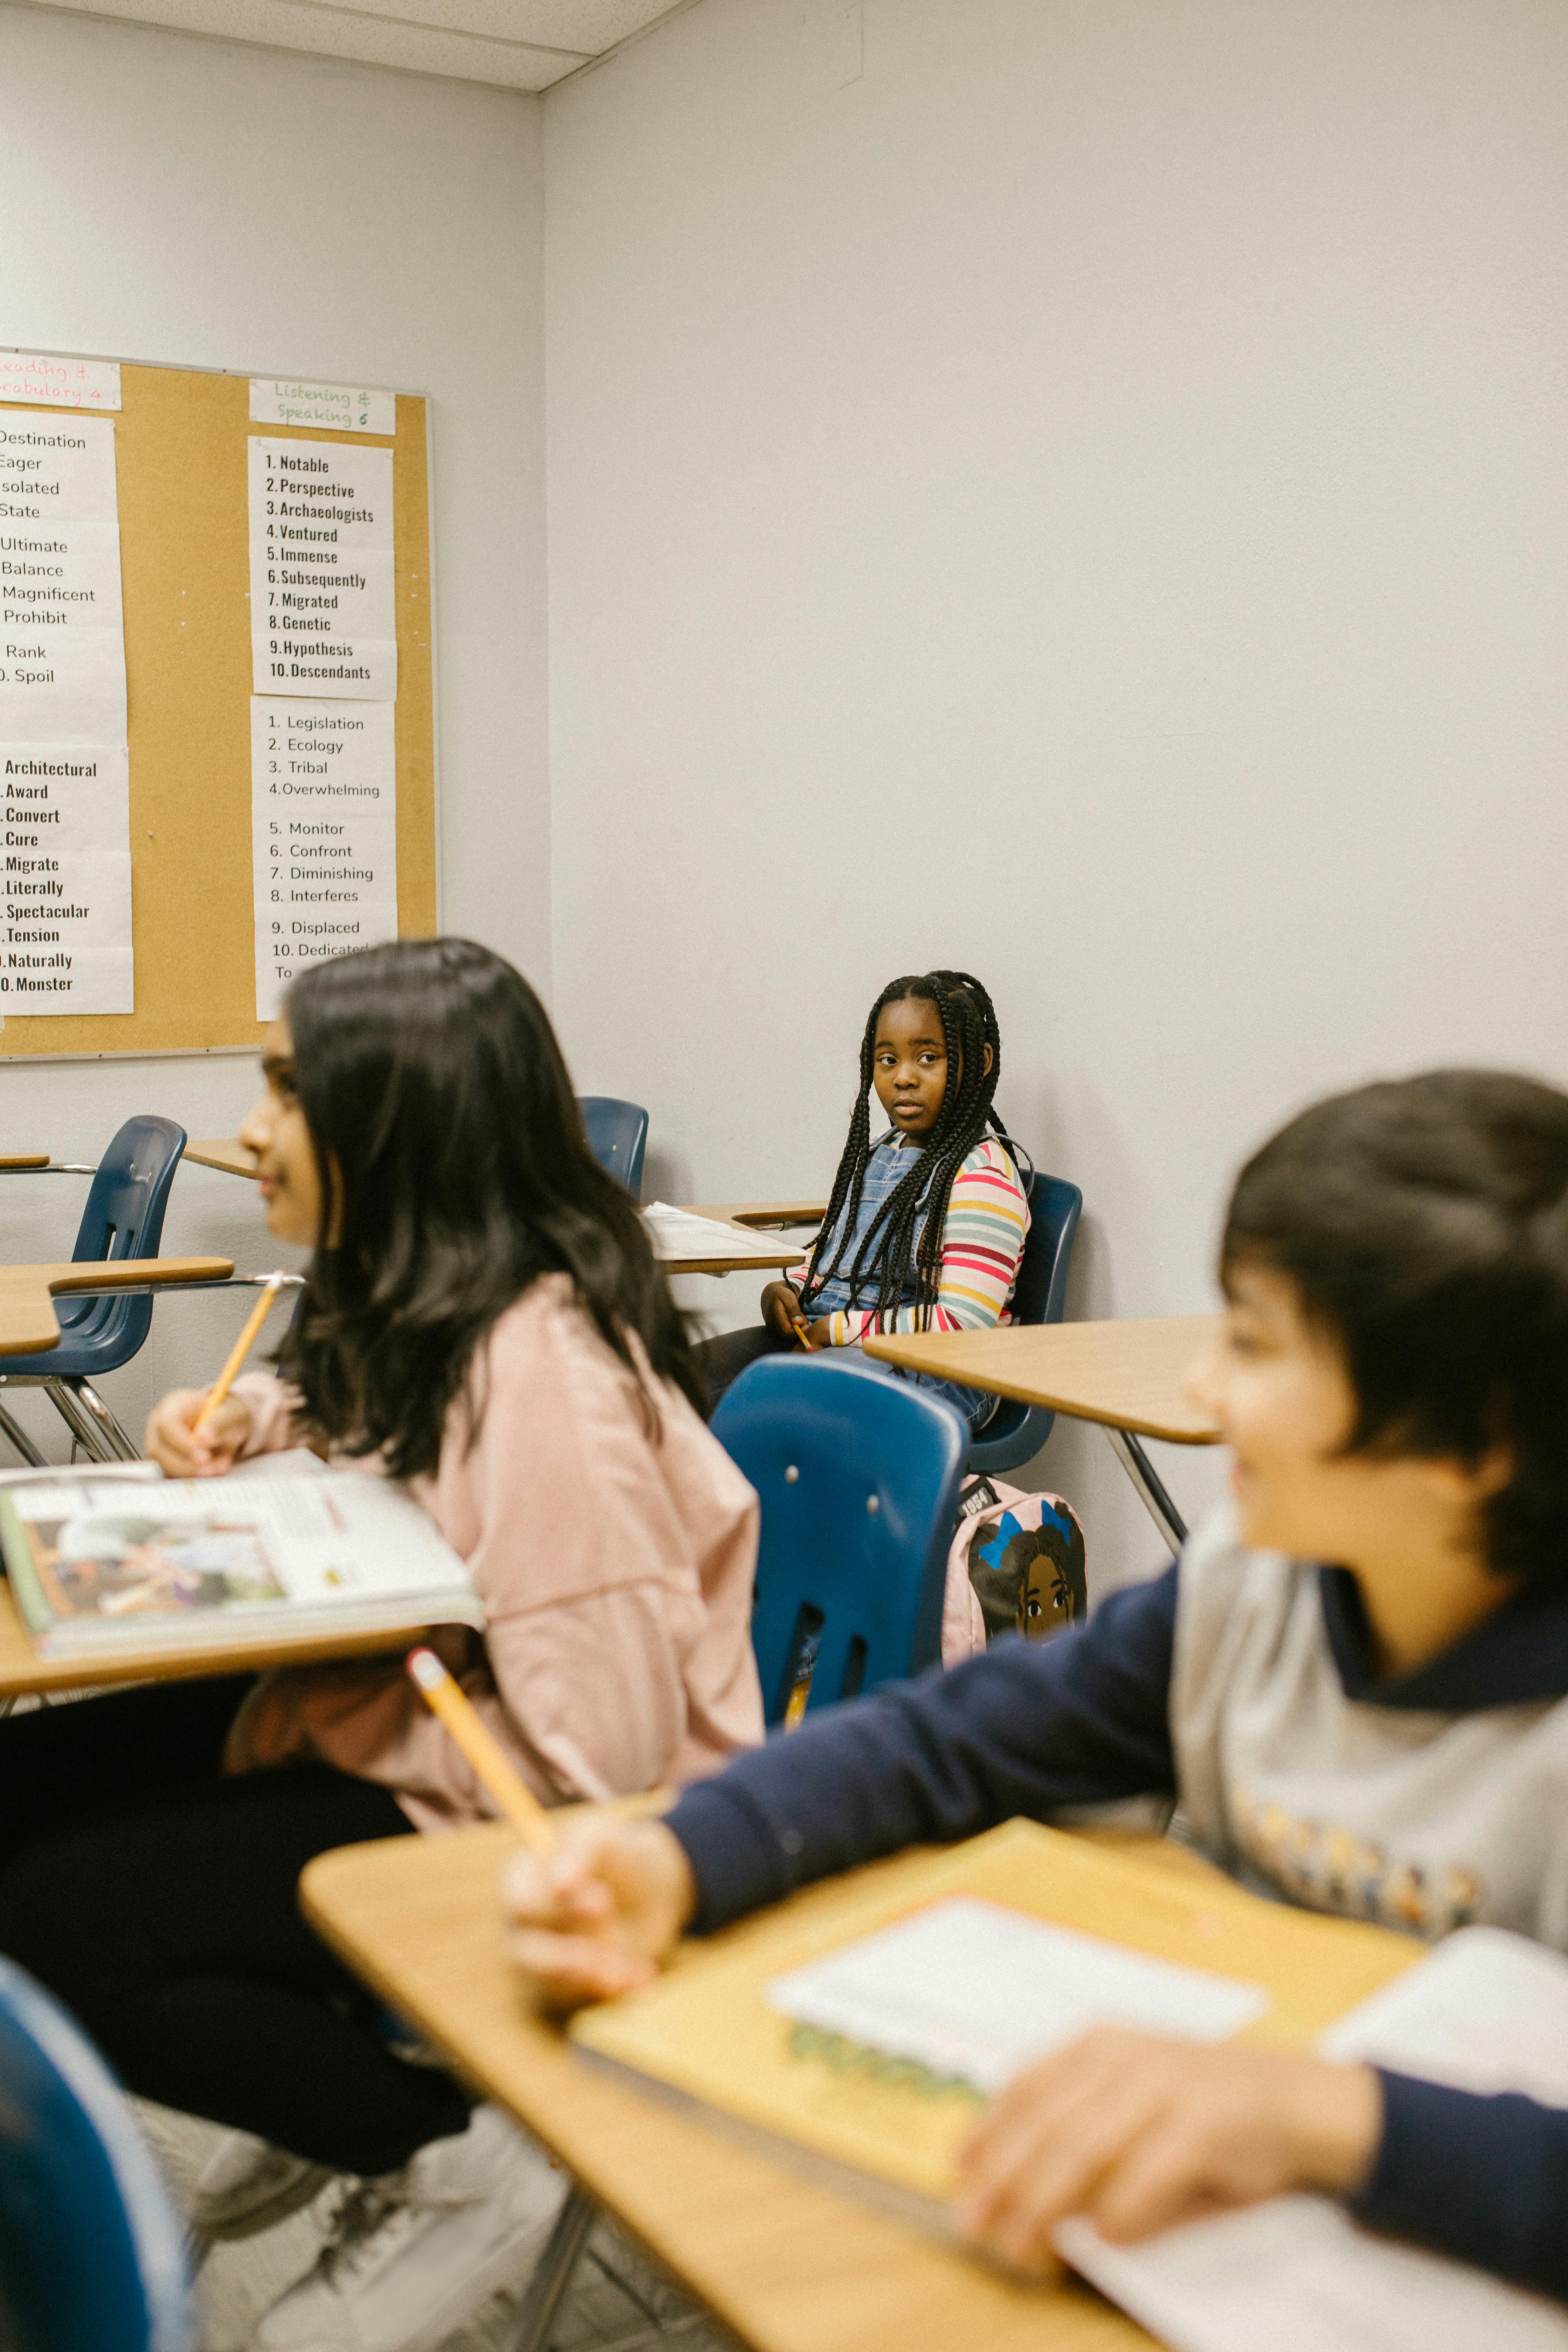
123	1218
91	2250
616	1133
1015	1431
858	1479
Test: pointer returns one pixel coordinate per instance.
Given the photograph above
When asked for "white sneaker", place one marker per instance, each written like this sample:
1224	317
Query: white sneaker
246	2184
414	2253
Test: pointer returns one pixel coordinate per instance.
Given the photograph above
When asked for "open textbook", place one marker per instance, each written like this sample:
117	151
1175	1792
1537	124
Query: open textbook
859	2037
126	1560
677	1234
1488	2011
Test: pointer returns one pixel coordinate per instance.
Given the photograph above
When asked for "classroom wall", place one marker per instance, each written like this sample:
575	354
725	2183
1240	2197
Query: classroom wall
166	198
1072	489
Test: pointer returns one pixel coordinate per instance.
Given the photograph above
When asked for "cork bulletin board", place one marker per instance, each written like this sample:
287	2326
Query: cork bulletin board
181	456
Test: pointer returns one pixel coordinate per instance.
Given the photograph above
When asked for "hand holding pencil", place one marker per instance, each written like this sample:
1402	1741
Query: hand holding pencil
199	1433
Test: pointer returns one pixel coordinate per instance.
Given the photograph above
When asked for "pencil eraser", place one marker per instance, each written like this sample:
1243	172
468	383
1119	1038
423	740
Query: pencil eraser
426	1669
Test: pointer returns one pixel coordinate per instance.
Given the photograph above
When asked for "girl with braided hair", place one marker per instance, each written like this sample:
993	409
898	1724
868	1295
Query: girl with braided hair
926	1225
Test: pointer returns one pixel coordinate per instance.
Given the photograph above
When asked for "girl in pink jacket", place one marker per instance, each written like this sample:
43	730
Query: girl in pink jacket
483	1320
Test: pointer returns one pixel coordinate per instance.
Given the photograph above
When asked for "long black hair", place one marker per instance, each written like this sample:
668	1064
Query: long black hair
888	1252
446	1136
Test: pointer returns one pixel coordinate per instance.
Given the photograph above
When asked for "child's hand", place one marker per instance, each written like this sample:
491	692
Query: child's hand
597	1917
175	1443
781	1308
1136	2133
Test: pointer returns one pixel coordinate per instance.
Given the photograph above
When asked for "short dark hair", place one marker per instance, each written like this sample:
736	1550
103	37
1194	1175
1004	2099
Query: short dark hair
432	1083
1424	1223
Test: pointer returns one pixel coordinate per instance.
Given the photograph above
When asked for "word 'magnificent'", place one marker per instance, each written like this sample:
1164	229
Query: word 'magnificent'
62	640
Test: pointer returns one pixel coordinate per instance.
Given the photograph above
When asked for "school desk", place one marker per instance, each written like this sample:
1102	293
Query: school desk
232	1158
786	2262
223	1151
1128	1376
23	1673
27	1321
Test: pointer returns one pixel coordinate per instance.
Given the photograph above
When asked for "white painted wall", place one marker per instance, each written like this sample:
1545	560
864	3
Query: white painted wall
158	194
1079	498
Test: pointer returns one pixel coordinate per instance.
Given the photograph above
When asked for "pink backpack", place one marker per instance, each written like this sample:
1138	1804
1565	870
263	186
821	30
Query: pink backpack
1015	1565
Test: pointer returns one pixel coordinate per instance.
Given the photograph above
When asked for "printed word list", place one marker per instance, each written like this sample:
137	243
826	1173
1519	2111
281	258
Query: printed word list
324	814
322	600
67	922
62	634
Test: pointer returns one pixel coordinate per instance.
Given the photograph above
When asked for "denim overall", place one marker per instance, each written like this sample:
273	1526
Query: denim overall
886	1168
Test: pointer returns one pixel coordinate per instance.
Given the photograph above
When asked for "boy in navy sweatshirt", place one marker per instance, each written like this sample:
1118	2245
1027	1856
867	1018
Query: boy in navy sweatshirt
1354	1683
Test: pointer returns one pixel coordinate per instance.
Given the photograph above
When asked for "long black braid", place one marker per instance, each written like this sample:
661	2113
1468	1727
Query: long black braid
968	1026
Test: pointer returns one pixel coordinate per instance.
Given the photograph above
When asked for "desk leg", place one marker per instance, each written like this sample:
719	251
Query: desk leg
553	2274
1151	1493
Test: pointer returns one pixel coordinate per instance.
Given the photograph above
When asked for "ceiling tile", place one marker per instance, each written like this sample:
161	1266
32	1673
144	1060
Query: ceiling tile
325	28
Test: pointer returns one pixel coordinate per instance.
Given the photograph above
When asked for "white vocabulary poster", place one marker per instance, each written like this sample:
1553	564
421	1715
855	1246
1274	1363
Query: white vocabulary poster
66	921
322	600
323	785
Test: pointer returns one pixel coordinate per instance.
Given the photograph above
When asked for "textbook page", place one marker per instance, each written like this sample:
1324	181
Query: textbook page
676	1233
97	1565
927	1989
1487	2011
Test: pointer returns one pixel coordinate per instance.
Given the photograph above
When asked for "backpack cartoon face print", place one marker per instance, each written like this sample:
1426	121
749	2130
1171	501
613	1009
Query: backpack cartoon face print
1027	1567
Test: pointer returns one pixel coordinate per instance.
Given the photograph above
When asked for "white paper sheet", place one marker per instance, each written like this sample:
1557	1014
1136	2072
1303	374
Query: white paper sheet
62	637
322	595
55	381
64	932
345	408
1485	2011
976	1990
677	1234
323	783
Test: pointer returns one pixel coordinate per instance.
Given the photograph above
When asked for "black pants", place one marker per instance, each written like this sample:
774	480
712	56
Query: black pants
157	1900
724	1360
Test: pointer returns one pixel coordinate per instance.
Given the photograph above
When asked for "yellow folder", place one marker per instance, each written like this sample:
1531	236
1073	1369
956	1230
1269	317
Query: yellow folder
705	2035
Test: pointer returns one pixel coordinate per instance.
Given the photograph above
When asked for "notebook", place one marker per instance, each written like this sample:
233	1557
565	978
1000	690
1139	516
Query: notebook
860	2027
125	1560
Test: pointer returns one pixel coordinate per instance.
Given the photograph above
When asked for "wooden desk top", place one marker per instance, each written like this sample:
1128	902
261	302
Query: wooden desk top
223	1151
1128	1375
27	1322
23	1672
24	1159
783	2261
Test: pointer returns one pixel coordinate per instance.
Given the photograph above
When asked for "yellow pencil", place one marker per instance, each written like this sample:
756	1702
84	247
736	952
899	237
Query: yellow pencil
242	1346
515	1798
800	1333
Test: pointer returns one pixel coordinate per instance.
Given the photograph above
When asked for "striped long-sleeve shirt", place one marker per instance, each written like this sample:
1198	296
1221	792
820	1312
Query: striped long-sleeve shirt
982	1241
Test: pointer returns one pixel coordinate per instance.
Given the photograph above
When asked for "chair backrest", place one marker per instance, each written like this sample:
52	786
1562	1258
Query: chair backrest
1015	1431
123	1218
859	1480
91	2250
616	1133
